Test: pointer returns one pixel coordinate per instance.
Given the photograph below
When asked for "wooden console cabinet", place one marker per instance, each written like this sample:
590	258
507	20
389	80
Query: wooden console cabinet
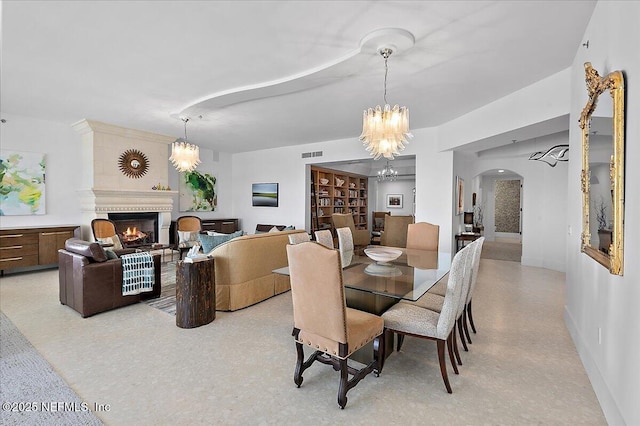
33	246
224	226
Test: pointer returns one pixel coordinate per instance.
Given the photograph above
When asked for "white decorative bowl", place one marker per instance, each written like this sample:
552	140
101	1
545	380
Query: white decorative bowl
380	254
381	270
324	181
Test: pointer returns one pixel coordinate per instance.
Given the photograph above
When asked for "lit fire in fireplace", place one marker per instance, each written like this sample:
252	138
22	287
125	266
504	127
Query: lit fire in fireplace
132	234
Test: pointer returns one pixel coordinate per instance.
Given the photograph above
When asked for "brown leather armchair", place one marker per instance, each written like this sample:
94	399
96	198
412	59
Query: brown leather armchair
91	283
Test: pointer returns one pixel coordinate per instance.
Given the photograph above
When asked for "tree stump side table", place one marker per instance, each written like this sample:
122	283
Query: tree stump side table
195	293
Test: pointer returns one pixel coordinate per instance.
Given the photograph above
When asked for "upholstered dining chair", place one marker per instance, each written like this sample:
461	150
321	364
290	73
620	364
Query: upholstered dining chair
325	238
435	302
377	226
298	238
345	246
423	236
474	278
395	231
334	332
412	320
104	232
187	228
361	237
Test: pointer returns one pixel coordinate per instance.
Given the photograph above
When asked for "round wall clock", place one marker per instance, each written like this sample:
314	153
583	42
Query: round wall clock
133	163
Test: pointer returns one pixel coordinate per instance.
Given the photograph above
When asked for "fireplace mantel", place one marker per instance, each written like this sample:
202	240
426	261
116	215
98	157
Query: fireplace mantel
127	200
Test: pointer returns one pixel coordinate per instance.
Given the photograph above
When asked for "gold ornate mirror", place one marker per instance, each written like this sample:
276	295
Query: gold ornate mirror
602	124
133	163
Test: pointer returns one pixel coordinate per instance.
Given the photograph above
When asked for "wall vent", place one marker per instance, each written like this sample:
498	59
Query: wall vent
312	154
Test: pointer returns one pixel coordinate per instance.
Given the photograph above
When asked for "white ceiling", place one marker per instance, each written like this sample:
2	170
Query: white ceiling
135	63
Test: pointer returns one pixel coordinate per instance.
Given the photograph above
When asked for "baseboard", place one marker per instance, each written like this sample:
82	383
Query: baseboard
607	402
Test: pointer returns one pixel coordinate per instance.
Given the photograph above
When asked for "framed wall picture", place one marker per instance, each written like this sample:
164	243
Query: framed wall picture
394	201
264	195
22	183
198	192
459	195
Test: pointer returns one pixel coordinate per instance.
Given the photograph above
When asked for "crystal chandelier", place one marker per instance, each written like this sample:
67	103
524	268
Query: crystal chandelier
184	156
385	130
388	173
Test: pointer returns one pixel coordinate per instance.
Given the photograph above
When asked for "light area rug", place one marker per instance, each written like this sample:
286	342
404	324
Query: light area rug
31	392
167	300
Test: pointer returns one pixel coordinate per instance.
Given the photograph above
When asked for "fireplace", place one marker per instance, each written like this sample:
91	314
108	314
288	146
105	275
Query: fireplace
136	229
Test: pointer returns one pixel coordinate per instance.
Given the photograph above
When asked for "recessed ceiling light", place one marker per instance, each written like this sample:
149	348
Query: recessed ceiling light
501	171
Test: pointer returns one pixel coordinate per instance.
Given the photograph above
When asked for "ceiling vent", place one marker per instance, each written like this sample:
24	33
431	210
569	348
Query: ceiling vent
312	154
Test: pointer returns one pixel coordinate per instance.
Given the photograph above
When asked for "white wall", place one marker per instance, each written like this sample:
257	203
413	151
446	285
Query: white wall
596	299
544	200
286	167
62	147
215	164
380	190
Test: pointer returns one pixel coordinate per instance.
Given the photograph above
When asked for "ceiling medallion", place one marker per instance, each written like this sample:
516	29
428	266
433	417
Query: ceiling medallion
133	163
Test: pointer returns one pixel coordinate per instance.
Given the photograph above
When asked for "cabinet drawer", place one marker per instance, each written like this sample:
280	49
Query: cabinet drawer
19	261
18	250
18	239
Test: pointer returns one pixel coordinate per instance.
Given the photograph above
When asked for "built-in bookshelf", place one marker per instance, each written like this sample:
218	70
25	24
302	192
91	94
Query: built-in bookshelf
335	191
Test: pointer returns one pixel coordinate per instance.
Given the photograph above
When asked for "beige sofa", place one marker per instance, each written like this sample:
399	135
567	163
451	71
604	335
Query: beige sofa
243	269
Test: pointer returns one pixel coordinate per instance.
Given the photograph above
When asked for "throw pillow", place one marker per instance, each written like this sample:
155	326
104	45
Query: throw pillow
289	228
187	238
113	242
111	254
209	242
274	229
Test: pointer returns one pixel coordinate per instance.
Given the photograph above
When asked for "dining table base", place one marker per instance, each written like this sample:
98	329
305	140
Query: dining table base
375	304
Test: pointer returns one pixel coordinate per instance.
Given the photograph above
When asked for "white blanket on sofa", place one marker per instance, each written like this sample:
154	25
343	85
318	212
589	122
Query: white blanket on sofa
137	273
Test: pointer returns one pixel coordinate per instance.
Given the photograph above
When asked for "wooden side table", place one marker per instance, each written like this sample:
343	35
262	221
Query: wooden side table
195	293
461	238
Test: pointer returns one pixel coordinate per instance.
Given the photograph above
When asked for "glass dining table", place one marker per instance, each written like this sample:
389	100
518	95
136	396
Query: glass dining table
374	287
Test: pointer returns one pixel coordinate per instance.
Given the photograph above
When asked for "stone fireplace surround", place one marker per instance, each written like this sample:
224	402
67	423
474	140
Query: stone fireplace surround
108	190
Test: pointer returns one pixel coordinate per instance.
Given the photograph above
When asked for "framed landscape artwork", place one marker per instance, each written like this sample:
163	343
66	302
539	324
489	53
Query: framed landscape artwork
22	183
264	195
198	192
394	201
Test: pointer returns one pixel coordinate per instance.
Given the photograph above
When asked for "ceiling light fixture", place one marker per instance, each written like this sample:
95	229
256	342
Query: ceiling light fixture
552	155
388	174
385	130
184	156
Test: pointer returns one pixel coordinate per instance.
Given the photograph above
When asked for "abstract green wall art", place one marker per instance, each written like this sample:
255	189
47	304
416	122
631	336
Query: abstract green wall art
198	192
22	183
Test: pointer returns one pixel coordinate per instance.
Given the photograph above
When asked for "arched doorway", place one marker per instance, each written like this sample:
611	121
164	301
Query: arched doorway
498	210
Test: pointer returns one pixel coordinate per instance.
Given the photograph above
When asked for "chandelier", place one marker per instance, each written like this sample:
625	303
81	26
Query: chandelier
184	156
385	130
388	173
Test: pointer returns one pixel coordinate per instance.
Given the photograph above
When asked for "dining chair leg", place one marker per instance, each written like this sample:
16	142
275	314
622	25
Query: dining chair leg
400	341
470	315
443	365
466	328
461	333
344	382
378	353
450	349
454	340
